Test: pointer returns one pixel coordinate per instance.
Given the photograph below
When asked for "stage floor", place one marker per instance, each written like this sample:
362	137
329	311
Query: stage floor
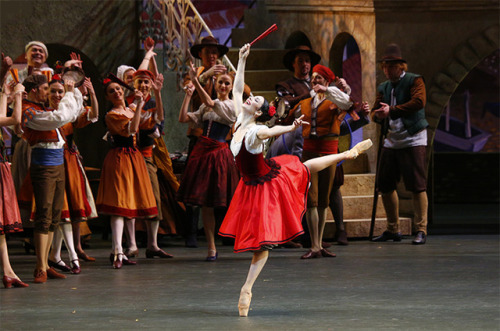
451	283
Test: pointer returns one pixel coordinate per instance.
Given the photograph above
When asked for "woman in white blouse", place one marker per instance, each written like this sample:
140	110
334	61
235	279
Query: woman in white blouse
210	177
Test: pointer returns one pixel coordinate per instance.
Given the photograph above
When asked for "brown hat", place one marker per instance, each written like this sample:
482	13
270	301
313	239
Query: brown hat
34	81
291	54
208	41
392	54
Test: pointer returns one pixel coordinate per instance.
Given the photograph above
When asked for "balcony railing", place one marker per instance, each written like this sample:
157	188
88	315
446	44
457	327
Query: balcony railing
175	26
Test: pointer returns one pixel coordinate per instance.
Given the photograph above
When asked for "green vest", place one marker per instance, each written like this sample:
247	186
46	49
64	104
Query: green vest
413	122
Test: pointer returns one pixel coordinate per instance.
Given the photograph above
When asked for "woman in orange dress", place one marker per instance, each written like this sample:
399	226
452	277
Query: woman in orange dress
79	202
125	191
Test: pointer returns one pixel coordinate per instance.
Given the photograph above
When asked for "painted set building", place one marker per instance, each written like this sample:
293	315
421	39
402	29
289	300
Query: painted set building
453	44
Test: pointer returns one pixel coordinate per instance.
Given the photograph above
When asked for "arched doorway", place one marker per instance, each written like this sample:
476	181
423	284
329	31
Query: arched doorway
465	164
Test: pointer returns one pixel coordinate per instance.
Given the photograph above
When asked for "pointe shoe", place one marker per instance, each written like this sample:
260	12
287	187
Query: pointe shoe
243	305
82	255
58	265
160	253
359	148
8	282
40	276
212	258
75	268
53	274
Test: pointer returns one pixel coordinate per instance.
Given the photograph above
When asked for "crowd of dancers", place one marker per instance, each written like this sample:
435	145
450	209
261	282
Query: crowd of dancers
259	200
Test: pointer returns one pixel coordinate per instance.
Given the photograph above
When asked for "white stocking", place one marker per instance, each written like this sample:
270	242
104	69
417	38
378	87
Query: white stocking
67	232
130	227
55	252
117	232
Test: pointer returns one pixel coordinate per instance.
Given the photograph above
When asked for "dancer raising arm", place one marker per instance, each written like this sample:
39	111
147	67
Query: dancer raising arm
270	199
211	176
125	191
80	204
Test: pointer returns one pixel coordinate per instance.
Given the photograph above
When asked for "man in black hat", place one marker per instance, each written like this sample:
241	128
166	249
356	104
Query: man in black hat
300	60
209	51
399	107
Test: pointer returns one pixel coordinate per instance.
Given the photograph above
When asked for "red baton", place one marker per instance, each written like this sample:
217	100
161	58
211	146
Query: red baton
273	27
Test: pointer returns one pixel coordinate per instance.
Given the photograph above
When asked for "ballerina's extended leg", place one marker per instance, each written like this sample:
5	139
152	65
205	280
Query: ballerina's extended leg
320	163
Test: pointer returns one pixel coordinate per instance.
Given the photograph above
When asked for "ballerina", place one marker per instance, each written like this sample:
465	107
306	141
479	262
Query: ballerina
270	199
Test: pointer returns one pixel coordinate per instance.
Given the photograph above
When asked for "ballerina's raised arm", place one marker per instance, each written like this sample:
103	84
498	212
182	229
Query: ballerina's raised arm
239	80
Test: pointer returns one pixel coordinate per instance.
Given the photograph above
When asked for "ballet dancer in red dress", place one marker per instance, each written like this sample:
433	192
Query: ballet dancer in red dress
270	199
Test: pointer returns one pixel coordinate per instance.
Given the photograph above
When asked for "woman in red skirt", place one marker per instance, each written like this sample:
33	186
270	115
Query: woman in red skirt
210	177
10	219
270	199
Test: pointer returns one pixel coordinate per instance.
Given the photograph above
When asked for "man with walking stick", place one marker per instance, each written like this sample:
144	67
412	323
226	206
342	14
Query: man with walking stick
400	104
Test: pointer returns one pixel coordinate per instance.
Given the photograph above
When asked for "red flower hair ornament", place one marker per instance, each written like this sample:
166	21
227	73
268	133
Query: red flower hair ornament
272	111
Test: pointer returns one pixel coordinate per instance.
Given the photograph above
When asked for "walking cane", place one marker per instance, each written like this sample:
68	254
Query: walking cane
375	190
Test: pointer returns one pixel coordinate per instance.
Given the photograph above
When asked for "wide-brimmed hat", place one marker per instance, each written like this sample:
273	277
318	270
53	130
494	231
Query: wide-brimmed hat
392	54
290	56
208	41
